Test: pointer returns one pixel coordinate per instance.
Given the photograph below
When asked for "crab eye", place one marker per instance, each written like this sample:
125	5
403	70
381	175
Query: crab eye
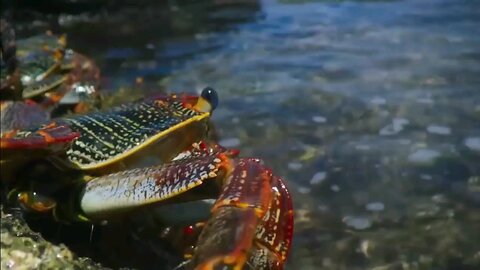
210	95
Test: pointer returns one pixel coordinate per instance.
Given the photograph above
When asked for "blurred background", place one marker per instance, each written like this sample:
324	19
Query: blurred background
369	109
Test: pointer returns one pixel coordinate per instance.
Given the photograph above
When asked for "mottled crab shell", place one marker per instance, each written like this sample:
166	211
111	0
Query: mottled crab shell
111	137
132	135
47	84
46	42
20	115
38	75
39	59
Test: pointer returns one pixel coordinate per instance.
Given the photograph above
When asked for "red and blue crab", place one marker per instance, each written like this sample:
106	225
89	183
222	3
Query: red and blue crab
43	73
251	221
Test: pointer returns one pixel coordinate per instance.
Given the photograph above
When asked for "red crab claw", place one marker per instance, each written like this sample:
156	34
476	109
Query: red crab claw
50	136
251	223
275	232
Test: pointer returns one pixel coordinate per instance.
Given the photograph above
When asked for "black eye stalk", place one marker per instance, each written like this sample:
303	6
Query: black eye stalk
210	95
207	102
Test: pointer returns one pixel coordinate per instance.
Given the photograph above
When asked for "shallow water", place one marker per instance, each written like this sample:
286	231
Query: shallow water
369	109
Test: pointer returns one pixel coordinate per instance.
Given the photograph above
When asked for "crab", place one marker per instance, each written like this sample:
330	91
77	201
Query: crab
155	153
44	73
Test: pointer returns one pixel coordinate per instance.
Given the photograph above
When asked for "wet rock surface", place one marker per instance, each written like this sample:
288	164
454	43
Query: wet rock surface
24	249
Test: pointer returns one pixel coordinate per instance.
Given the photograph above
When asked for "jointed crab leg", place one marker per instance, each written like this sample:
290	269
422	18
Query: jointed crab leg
106	195
252	221
274	235
47	136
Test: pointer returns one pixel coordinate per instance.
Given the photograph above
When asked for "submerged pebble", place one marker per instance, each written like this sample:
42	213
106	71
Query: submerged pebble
319	119
358	223
304	190
295	166
404	141
440	130
318	178
362	147
230	142
378	101
423	156
375	206
427	211
473	143
426	177
323	208
395	127
439	198
335	188
426	100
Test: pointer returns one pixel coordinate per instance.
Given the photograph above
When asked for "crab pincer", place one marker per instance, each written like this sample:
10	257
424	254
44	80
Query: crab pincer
251	223
49	136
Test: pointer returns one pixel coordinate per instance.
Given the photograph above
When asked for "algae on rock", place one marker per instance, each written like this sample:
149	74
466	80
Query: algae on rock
21	248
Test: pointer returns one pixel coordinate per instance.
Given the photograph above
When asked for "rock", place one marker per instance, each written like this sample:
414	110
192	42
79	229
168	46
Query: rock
318	178
375	206
439	130
25	249
294	166
423	156
395	127
473	143
230	142
319	119
358	223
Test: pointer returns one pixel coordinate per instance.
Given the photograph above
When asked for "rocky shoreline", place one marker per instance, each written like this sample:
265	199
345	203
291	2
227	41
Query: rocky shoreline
21	248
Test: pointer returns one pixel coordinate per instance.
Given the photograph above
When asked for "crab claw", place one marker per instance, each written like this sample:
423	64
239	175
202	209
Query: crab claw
251	223
51	137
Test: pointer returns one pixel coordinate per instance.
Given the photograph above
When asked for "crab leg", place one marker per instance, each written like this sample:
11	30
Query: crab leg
274	235
108	195
115	193
47	136
251	222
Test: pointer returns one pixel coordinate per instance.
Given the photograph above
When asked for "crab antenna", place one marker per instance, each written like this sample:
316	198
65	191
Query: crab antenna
208	100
